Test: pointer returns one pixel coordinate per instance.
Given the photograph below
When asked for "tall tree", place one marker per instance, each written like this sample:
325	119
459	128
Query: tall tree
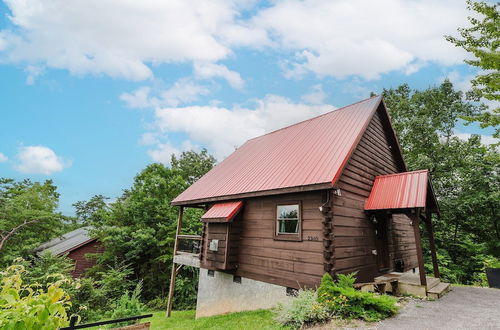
193	165
465	173
28	216
482	40
138	229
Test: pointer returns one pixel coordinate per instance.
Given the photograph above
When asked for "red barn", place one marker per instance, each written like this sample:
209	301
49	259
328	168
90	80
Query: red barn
329	194
76	245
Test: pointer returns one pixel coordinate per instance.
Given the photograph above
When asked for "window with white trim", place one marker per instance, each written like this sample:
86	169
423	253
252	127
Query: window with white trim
288	219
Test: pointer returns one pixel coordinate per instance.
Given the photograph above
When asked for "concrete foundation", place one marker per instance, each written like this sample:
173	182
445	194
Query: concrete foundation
221	294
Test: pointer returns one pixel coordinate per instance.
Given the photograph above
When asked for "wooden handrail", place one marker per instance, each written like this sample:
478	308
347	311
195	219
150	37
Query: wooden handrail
193	237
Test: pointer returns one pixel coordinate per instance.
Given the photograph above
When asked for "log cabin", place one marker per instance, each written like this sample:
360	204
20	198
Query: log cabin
331	194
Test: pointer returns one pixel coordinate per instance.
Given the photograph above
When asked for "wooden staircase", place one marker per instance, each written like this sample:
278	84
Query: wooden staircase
409	283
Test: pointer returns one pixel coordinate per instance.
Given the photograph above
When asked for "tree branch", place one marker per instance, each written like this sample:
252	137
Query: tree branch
9	234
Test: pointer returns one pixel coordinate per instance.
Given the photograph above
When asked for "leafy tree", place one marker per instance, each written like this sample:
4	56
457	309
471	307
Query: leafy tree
465	174
482	40
28	217
138	229
90	211
192	165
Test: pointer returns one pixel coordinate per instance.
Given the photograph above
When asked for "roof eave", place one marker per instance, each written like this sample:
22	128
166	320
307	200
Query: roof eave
280	191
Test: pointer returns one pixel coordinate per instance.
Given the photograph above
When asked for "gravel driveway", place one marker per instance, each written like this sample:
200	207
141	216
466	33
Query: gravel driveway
462	308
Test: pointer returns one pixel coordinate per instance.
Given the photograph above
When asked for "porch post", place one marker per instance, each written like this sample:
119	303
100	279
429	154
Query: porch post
430	230
174	270
418	244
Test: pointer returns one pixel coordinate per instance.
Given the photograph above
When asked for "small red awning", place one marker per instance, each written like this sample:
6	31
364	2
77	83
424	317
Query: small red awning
222	212
402	191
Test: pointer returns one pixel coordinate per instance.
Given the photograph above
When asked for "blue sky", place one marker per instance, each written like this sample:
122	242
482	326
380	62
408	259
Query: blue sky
93	91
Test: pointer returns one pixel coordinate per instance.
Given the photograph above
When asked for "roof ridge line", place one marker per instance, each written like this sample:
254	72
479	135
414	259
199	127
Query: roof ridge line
318	116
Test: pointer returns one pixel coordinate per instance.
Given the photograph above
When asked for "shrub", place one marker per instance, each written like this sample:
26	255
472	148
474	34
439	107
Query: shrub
158	303
304	309
129	304
348	302
26	307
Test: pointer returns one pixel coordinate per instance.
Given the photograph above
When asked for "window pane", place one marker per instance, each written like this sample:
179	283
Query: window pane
288	226
288	211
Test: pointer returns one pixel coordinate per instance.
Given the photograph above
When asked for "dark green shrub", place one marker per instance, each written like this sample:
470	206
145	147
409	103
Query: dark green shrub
348	302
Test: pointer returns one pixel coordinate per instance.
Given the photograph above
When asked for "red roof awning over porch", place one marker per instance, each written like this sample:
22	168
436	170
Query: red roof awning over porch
222	212
402	191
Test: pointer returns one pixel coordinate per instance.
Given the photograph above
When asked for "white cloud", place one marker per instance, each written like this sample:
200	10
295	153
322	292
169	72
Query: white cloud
33	72
182	91
316	95
164	151
363	37
39	160
221	130
125	38
210	70
116	37
485	139
3	158
137	99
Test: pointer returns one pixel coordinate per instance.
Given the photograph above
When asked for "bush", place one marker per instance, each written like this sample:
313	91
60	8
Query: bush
304	309
158	303
26	307
348	302
129	305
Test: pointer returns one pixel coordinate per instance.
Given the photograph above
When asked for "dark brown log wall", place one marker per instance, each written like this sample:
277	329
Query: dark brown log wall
82	262
286	263
354	234
228	234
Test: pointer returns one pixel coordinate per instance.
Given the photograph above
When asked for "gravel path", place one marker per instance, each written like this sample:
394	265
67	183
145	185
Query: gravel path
462	308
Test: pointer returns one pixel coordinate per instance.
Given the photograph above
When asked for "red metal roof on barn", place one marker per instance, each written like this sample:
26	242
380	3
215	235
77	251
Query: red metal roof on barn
399	191
308	153
222	211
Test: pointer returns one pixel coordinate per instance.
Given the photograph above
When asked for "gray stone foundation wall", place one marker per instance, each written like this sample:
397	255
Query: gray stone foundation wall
220	294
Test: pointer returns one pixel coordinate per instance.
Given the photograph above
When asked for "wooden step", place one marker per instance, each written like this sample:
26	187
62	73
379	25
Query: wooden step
439	290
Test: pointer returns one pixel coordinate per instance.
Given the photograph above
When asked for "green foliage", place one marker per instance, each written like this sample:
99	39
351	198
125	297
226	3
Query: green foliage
138	229
335	299
28	307
192	165
186	288
481	40
28	217
129	304
465	175
348	302
115	279
302	310
40	270
346	281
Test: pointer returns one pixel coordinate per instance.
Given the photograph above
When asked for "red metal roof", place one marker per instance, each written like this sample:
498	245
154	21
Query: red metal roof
222	212
399	191
309	153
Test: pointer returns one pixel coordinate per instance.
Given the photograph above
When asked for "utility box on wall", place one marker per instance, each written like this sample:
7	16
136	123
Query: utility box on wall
221	236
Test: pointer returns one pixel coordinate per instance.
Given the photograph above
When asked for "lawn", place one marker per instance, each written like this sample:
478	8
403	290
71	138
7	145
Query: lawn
260	319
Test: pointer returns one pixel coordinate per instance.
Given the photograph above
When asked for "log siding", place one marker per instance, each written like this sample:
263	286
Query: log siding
288	263
354	233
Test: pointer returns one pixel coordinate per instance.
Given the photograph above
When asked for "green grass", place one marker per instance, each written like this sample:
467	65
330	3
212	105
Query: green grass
260	319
